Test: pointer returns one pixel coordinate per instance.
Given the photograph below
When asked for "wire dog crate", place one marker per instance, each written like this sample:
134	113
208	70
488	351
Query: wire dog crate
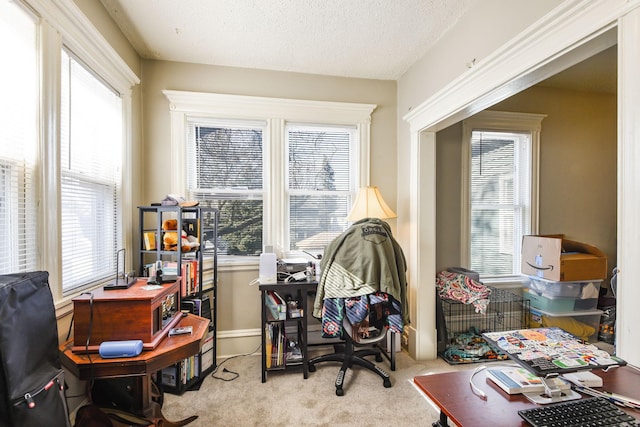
460	326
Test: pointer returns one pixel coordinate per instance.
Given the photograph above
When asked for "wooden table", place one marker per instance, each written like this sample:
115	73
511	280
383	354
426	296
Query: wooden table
451	391
169	351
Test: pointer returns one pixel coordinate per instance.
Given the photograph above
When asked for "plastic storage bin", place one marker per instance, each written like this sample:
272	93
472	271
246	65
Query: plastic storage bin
585	289
582	324
562	296
560	304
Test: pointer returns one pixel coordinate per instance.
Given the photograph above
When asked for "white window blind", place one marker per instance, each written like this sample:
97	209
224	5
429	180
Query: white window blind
500	200
18	139
225	171
91	160
320	179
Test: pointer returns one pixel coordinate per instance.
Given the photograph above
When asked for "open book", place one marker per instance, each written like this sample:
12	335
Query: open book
515	380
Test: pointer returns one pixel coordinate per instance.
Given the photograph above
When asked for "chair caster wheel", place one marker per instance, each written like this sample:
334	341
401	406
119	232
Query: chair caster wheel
312	368
339	392
387	383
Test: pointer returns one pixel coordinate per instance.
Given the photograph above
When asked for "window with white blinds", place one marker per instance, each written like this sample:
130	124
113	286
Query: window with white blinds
18	140
91	161
500	200
500	196
320	177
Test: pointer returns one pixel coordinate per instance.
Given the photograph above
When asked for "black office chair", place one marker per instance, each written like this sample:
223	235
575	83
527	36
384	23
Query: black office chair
348	354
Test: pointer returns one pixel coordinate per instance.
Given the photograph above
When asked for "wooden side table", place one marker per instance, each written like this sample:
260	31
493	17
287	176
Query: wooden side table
169	351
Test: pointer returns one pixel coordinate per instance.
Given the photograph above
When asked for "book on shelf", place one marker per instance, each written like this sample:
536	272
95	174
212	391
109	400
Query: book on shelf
515	380
275	343
188	274
149	240
276	305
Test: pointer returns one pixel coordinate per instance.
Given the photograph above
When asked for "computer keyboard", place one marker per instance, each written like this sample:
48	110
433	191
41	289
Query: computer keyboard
592	411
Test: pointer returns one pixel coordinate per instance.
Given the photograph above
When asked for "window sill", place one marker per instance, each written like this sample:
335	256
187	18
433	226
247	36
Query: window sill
510	282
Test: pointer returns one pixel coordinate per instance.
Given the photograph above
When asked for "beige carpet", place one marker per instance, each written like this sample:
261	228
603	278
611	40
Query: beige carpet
286	399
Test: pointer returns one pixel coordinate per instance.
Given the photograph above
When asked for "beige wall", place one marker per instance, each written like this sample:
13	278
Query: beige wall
578	149
448	197
239	303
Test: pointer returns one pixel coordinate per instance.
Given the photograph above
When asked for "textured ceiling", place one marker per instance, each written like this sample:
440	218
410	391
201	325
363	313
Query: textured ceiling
378	39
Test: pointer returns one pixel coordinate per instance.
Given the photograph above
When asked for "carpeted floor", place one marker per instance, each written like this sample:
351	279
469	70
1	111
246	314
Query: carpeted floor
288	399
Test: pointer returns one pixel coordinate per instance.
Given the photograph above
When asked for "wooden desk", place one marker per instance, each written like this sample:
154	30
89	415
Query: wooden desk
168	351
457	402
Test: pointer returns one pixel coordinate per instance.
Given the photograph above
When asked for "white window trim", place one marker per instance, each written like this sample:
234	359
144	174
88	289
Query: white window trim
62	22
276	112
497	121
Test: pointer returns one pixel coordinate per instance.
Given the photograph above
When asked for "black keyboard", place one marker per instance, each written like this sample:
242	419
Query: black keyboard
592	411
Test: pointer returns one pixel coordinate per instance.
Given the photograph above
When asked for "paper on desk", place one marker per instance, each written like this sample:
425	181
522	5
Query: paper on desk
151	287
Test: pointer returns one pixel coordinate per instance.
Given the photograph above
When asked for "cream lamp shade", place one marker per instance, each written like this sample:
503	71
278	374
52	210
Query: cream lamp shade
370	204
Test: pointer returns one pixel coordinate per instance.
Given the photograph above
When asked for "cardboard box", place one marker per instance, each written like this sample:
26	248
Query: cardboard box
559	259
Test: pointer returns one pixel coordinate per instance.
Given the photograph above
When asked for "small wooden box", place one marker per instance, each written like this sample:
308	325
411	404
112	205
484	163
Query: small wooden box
125	314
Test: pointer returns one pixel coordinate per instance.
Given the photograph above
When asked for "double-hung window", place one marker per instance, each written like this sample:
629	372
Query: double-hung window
500	176
281	172
90	169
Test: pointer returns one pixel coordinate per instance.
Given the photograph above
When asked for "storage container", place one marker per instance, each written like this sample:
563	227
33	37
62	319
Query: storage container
582	324
562	296
560	304
584	289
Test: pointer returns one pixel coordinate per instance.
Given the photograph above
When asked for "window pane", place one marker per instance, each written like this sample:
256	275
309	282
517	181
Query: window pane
91	159
239	226
320	176
18	140
317	220
488	228
499	196
228	158
319	159
225	171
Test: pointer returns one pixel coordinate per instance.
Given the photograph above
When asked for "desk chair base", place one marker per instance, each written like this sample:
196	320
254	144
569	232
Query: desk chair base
349	356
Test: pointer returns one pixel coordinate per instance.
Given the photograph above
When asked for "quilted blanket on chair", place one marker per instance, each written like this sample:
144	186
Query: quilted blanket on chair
379	309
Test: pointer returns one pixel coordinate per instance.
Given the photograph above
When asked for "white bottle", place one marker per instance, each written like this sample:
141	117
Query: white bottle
268	273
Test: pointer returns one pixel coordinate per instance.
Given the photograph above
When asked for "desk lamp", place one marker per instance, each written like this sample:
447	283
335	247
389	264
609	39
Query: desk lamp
370	204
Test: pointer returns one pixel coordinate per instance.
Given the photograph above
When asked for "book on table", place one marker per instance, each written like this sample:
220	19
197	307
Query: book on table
516	380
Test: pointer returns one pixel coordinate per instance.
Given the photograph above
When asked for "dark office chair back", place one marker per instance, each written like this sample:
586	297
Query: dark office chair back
31	375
